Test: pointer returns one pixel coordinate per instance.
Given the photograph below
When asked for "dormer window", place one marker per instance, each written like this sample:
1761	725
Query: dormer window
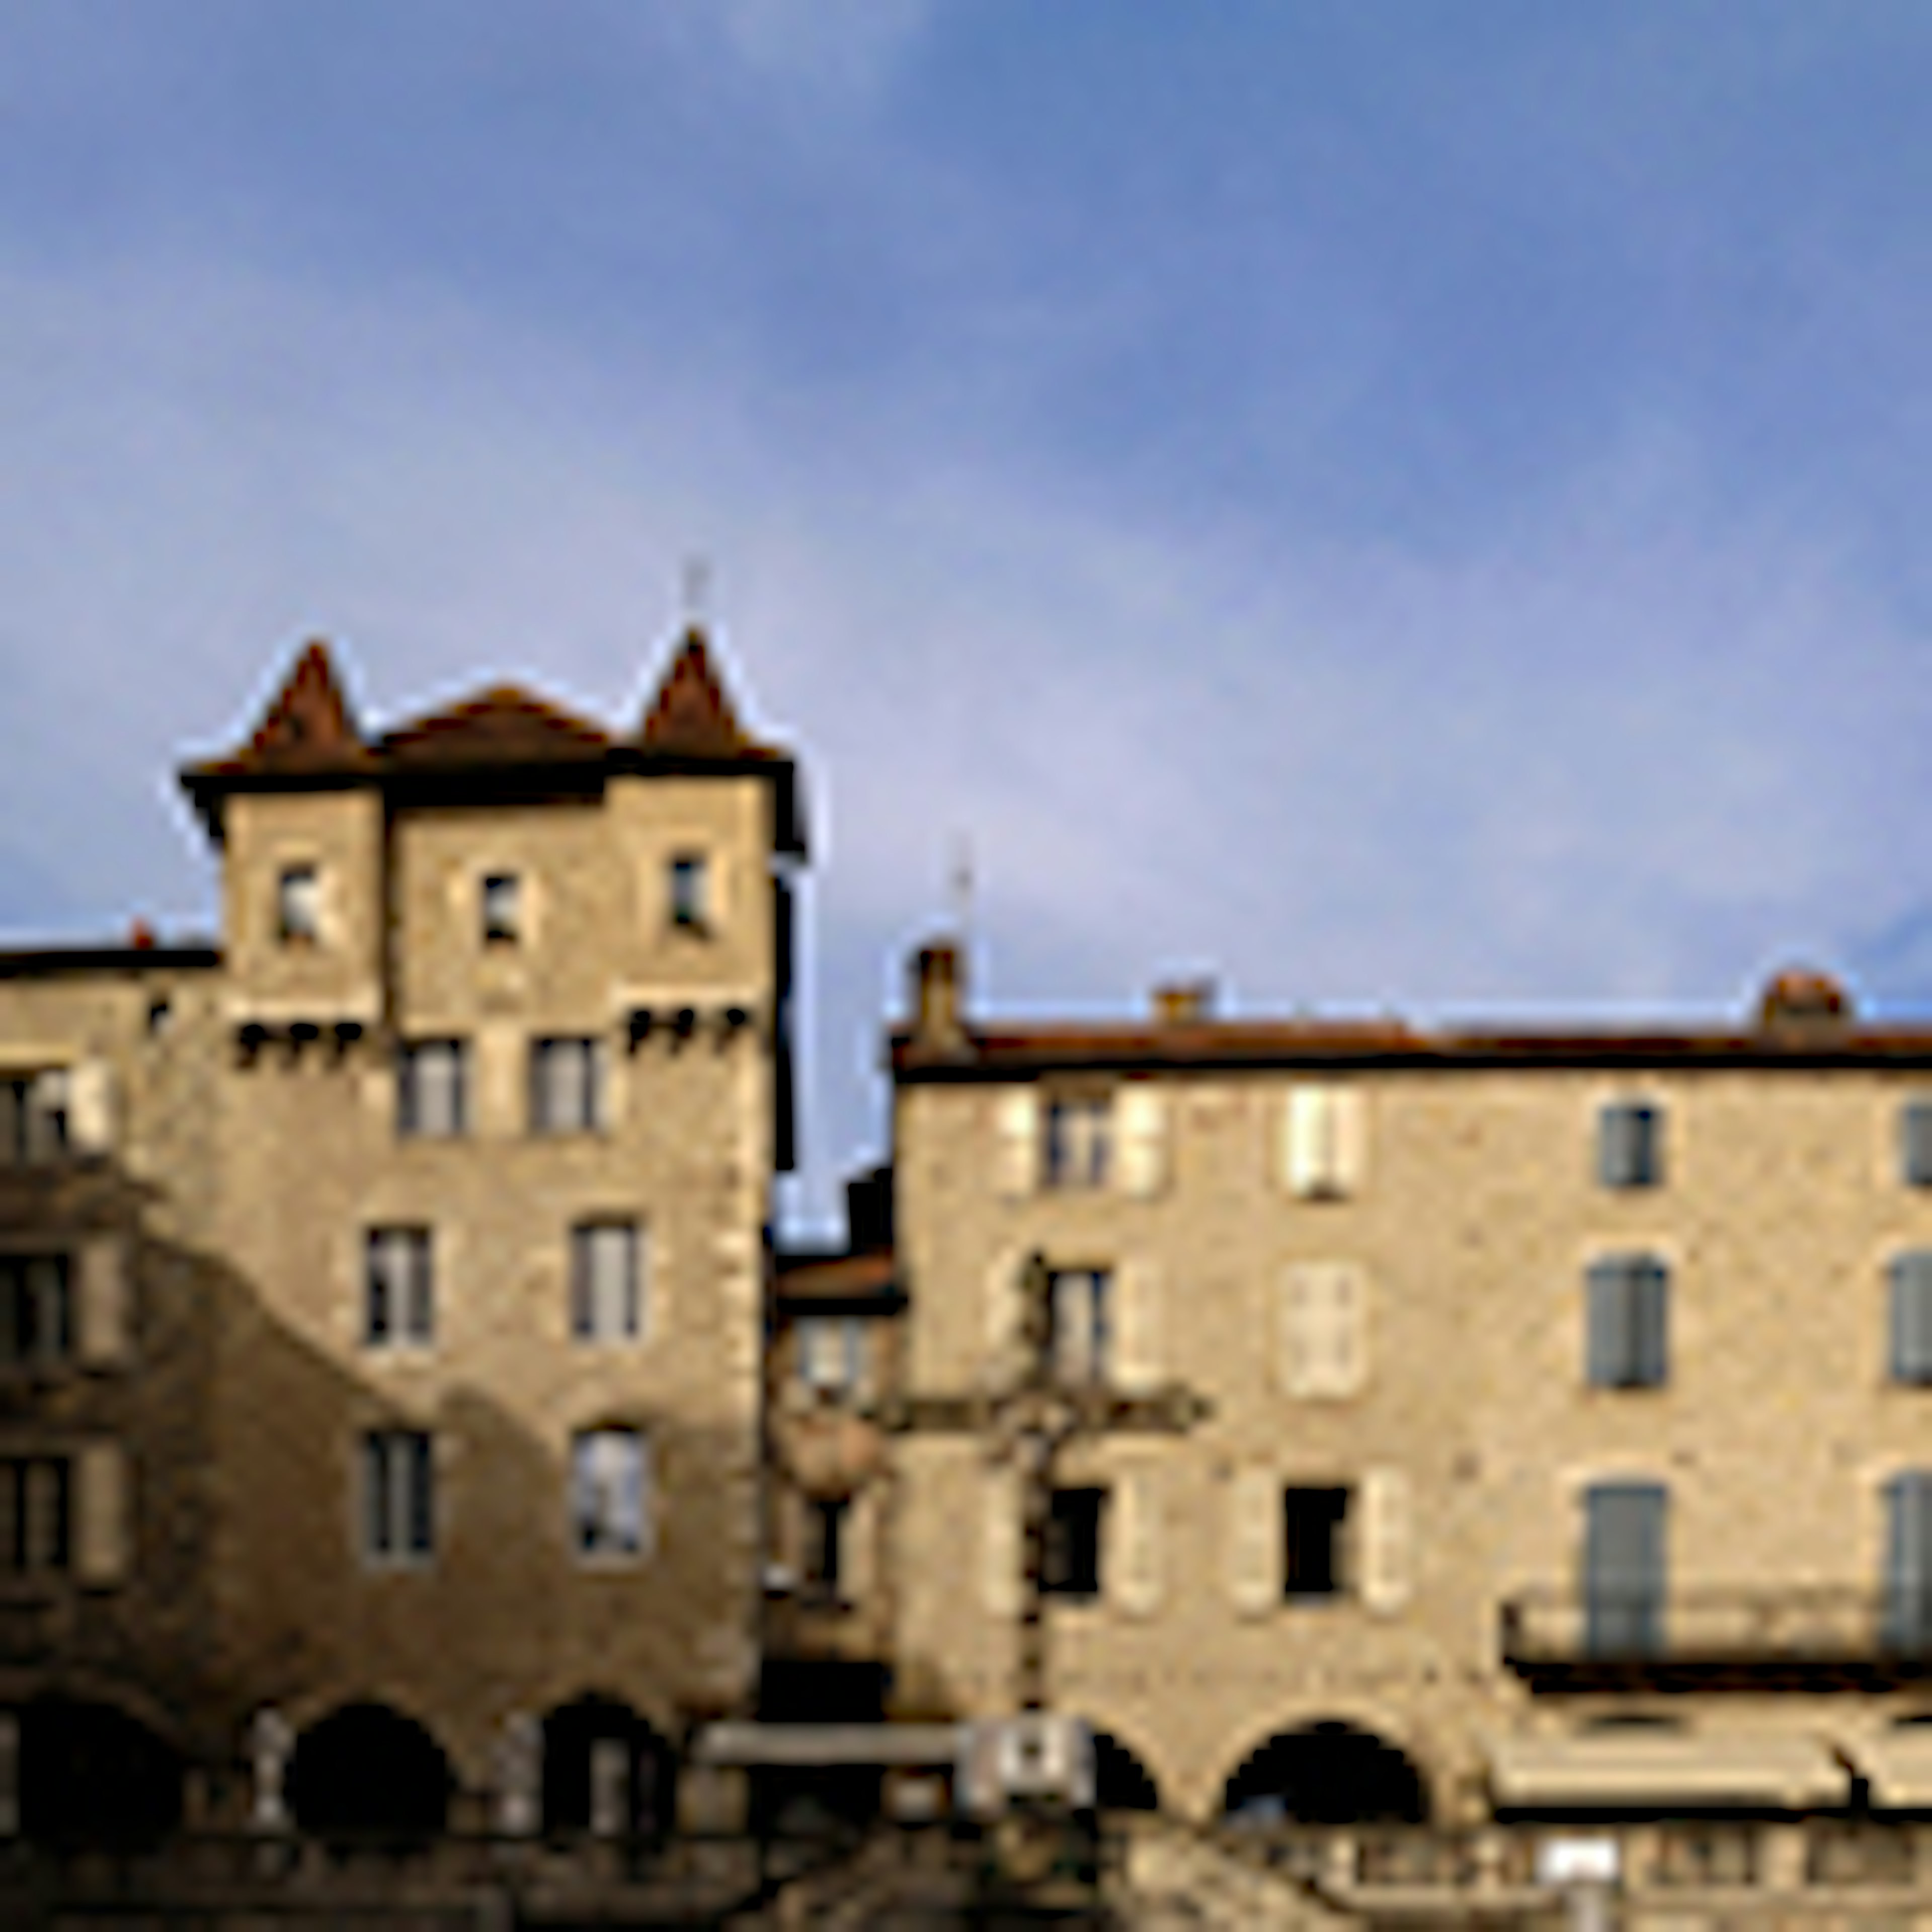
502	923
687	895
298	905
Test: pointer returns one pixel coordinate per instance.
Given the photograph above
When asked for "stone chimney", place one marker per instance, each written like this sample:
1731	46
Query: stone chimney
1800	1003
1183	1002
939	997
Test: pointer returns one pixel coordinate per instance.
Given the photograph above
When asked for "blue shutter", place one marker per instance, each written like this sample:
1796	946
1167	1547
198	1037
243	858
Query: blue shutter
1624	1569
1915	1143
1908	1562
1912	1316
1608	1311
1651	1298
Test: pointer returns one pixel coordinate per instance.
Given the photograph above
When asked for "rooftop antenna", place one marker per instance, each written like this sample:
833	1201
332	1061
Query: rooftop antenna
694	590
959	885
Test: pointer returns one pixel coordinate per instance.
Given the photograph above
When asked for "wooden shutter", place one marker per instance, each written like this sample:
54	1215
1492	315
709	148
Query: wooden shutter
1322	1329
1911	1286
1651	1314
1908	1560
999	1543
1915	1143
1138	1362
1388	1530
1624	1567
1017	1161
1322	1141
1255	1532
1133	1568
1140	1134
101	1538
1610	1341
101	1299
90	1102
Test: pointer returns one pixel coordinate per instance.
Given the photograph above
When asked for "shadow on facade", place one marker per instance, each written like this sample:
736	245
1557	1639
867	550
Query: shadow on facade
1326	1774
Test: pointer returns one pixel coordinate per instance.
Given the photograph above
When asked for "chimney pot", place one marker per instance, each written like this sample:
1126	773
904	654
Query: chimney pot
939	996
1182	1002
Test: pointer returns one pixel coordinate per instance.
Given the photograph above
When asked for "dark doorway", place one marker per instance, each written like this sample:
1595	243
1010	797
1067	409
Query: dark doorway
1121	1782
814	1801
367	1769
89	1772
1070	1558
605	1768
1329	1774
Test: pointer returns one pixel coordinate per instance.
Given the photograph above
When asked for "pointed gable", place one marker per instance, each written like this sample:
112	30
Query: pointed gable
690	716
307	728
505	725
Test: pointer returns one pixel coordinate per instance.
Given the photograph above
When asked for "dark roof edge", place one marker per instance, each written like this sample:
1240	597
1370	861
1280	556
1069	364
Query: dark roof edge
30	962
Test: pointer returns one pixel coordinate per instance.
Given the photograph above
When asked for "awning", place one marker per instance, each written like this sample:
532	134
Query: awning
1898	1765
1666	1768
745	1743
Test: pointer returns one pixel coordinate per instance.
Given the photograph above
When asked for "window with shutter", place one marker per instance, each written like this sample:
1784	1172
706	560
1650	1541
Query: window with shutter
607	1281
36	1515
1915	1143
431	1083
1907	1617
35	1122
1312	1521
1624	1569
1322	1341
1911	1285
609	1482
1322	1142
36	1310
399	1305
1627	1320
1079	1132
565	1080
399	1505
1630	1144
1080	1318
1070	1561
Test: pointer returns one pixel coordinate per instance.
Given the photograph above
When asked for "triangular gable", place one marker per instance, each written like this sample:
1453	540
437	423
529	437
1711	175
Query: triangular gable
690	715
506	725
308	727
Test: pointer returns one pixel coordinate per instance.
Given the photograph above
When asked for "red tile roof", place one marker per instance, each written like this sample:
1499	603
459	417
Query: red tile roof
307	728
690	716
505	725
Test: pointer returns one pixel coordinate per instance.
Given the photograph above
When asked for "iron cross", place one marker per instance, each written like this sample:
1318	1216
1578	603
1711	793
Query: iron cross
1030	1422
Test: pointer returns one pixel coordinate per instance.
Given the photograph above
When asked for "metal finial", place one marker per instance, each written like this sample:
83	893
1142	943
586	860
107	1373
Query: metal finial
960	883
694	590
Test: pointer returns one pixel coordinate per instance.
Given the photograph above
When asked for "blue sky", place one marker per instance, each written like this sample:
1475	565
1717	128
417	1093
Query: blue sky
1408	505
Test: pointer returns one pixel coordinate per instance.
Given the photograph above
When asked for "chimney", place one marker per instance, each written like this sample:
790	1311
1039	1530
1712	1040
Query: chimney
939	996
141	936
1183	1002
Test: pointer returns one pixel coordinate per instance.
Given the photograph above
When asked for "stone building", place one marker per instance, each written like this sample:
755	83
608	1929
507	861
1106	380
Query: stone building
1569	1447
381	1414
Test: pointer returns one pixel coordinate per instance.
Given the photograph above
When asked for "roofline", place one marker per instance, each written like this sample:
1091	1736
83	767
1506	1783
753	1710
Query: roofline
1034	1053
28	962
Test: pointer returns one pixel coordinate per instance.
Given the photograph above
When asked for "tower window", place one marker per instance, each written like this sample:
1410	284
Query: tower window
501	911
298	905
688	894
1312	1520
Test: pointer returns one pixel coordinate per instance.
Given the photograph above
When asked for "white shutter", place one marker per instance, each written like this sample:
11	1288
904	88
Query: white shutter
1387	1534
100	1508
1347	1139
1322	1330
1322	1142
101	1300
1254	1539
1132	1567
1137	1363
999	1543
1017	1112
1140	1125
90	1102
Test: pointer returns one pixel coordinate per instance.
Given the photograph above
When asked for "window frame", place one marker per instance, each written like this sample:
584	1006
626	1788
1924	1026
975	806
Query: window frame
1085	1360
687	892
1623	1349
499	924
36	1124
596	1554
822	1569
1914	1145
1631	1154
412	1056
592	1073
38	1528
399	1507
843	1341
587	1306
21	1295
299	912
1333	1517
1064	1573
408	1309
1077	1142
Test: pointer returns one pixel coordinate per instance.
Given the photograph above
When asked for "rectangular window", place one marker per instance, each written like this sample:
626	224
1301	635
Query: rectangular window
688	906
1627	1319
1915	1143
1624	1569
432	1084
606	1281
1070	1560
399	1304
298	905
33	1118
398	1496
1077	1134
501	911
608	1503
36	1310
824	1543
1907	1599
831	1352
1630	1144
566	1079
36	1515
1078	1332
1312	1527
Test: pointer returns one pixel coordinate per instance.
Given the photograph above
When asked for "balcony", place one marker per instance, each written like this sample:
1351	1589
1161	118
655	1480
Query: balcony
1760	1638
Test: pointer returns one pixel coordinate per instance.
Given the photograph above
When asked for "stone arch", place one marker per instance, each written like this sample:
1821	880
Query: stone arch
607	1767
1328	1771
368	1768
89	1770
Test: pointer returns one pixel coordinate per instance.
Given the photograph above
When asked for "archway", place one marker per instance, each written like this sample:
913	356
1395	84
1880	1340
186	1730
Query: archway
606	1769
367	1768
1121	1782
89	1772
1326	1774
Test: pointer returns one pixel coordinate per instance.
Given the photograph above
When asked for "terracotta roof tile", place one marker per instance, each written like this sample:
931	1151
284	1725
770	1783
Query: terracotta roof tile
308	727
689	714
506	725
